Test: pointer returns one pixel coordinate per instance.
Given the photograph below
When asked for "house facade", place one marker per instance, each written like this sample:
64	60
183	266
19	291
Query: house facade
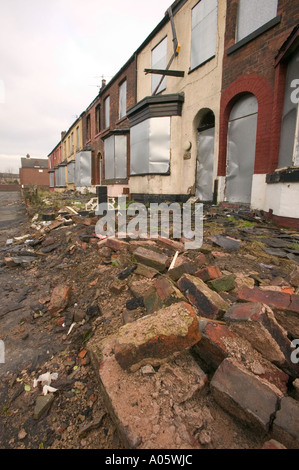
54	159
258	148
106	131
34	172
175	123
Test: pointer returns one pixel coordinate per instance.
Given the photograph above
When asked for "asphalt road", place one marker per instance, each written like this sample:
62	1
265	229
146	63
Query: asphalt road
12	209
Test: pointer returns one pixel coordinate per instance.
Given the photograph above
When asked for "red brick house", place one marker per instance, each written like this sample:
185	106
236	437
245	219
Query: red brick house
258	148
54	158
106	131
34	171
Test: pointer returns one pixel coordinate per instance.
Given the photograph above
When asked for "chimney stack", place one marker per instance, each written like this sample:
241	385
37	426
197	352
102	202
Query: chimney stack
103	84
63	134
27	156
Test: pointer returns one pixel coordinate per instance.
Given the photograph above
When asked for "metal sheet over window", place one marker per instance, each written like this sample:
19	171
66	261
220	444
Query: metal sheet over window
83	169
253	14
57	179
71	172
289	118
159	61
61	175
205	165
204	31
109	158
51	177
122	100
150	146
241	150
120	156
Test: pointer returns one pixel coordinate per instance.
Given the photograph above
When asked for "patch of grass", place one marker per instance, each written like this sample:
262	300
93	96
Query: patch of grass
294	246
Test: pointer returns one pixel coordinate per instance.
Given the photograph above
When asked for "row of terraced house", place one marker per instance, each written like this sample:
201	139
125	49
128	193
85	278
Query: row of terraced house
206	106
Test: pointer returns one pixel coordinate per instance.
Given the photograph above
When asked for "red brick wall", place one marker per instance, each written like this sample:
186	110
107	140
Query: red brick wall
29	176
251	69
96	143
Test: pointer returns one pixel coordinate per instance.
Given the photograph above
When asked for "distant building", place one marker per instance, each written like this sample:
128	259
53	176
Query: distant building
7	178
34	171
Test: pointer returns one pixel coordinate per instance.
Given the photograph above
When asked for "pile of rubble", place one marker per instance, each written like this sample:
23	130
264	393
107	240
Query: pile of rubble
191	349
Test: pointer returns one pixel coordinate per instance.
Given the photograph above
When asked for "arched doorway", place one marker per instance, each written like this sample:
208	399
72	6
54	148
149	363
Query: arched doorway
205	155
241	144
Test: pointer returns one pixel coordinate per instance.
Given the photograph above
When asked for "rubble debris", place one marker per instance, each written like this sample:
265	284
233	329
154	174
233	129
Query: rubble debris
156	337
59	299
162	293
286	423
151	258
273	444
42	405
227	243
244	395
208	303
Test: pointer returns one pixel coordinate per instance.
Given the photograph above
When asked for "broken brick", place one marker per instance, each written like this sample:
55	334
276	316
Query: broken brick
59	299
286	423
208	303
162	293
256	322
209	273
151	258
211	348
273	444
182	266
244	395
118	286
116	244
146	271
274	299
156	337
168	243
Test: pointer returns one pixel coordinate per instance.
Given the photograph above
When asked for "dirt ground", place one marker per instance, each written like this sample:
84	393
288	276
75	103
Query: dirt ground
37	342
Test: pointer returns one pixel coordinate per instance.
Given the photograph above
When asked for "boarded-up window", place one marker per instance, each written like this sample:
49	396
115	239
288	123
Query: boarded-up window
51	175
122	109
71	172
204	32
253	14
107	112
288	154
78	138
98	119
150	146
159	61
116	157
83	168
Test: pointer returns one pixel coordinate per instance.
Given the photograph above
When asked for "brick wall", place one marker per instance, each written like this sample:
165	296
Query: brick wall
251	69
31	176
96	144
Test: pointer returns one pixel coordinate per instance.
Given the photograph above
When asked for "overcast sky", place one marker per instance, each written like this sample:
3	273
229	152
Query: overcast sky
53	54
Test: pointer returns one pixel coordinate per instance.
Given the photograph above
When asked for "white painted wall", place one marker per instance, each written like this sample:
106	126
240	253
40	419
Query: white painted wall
283	199
202	89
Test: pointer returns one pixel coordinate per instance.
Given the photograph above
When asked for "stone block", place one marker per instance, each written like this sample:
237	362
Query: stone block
156	337
207	302
244	395
42	405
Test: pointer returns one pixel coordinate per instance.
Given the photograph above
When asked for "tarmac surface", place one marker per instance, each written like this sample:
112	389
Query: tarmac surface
12	209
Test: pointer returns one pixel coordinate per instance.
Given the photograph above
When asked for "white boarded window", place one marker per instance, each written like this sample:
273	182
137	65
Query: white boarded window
289	138
116	157
159	61
122	107
253	14
204	32
150	146
107	112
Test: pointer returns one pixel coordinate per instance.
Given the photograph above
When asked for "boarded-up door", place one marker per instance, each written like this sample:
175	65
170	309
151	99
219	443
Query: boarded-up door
241	149
205	164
